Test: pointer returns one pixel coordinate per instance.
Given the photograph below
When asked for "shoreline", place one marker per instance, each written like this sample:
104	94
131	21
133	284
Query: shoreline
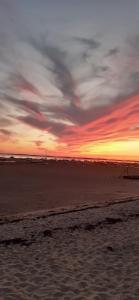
109	214
26	157
33	215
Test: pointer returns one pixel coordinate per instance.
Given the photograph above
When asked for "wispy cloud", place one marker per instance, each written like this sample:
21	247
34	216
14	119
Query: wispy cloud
6	132
112	52
78	87
19	82
110	127
4	122
60	69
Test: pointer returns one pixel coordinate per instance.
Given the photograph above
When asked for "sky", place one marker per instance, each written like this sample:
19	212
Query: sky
69	78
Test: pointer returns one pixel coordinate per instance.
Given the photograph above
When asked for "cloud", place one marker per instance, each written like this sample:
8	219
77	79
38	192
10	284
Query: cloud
5	122
90	43
6	132
38	143
5	135
21	83
114	125
54	119
45	125
85	100
61	71
84	110
78	115
25	105
112	52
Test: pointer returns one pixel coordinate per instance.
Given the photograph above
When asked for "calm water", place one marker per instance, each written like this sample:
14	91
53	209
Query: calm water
38	157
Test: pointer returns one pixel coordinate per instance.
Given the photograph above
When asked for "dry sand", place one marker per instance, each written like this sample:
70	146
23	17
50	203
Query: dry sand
87	255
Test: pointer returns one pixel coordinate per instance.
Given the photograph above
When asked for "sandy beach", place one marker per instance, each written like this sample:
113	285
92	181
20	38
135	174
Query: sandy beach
29	187
68	233
87	255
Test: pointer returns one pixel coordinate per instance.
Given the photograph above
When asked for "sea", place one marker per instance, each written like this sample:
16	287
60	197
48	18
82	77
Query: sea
8	157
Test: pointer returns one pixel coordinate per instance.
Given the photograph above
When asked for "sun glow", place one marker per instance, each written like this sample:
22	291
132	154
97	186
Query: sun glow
128	149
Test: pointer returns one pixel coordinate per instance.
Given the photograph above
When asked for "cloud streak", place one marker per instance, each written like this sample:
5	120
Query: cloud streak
119	124
72	87
60	69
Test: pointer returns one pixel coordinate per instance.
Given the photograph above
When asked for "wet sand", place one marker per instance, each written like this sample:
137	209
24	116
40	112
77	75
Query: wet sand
27	187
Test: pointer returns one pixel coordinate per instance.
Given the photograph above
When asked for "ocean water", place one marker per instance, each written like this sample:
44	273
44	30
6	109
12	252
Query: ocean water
88	159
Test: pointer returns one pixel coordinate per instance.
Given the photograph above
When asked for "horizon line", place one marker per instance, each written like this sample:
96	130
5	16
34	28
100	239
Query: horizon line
71	157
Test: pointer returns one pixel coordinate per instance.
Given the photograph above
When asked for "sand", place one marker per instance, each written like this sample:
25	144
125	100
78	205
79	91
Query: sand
27	187
68	232
85	255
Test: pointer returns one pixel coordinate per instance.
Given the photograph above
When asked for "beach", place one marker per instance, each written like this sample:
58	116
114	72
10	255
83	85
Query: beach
82	246
30	186
91	255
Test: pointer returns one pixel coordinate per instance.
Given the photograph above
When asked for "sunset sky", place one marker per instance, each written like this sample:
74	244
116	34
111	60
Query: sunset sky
69	78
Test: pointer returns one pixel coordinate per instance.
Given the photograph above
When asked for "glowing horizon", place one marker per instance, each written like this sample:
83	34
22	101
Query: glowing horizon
67	89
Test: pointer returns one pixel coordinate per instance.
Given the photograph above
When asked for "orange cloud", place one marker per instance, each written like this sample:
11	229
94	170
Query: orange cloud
99	137
114	135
